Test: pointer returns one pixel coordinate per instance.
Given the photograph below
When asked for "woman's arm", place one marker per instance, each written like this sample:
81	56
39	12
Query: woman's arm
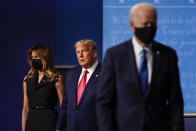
60	89
25	109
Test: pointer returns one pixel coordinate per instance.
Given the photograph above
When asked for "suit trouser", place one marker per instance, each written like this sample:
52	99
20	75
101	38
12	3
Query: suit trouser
147	127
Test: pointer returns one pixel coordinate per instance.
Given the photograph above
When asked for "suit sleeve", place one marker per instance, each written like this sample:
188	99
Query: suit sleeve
105	98
175	98
61	122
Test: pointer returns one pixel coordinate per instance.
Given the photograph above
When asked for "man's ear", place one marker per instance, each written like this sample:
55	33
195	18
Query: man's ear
131	25
95	54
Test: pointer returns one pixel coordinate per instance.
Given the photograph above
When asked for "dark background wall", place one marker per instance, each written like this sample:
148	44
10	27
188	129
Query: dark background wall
76	20
26	23
23	23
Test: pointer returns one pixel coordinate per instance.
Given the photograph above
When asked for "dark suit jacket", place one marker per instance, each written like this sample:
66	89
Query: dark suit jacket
121	106
83	116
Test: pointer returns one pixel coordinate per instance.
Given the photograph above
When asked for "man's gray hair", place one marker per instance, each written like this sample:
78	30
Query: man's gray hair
142	5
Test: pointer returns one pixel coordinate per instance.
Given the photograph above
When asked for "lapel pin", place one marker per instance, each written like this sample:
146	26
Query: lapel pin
157	52
97	75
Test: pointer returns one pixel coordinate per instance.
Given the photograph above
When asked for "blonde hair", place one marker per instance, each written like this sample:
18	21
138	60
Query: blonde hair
142	5
88	43
45	54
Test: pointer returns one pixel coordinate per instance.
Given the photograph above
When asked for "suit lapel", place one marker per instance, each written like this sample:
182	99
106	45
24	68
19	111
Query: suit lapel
75	79
155	66
94	77
132	64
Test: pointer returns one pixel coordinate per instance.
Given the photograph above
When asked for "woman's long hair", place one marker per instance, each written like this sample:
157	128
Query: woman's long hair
45	54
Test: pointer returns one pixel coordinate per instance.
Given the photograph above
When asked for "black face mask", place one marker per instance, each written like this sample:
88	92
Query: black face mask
37	64
145	34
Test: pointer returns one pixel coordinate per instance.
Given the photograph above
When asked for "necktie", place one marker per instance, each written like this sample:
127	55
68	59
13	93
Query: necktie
81	86
143	72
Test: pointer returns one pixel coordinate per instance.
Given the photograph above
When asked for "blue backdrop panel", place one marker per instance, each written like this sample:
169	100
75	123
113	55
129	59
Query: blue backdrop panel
76	20
176	28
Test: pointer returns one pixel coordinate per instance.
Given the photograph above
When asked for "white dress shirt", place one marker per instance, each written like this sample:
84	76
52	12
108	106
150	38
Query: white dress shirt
138	53
90	72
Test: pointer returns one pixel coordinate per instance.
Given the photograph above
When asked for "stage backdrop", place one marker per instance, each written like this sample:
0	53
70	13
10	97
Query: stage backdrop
176	28
76	20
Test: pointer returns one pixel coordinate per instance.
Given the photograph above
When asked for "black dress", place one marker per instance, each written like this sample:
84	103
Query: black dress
42	100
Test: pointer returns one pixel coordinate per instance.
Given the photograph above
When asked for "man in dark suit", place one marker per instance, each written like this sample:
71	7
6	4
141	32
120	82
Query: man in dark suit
139	87
78	108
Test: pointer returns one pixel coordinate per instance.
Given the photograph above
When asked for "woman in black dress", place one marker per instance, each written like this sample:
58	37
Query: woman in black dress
42	87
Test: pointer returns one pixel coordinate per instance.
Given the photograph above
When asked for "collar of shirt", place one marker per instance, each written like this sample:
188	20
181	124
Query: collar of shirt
90	71
138	48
